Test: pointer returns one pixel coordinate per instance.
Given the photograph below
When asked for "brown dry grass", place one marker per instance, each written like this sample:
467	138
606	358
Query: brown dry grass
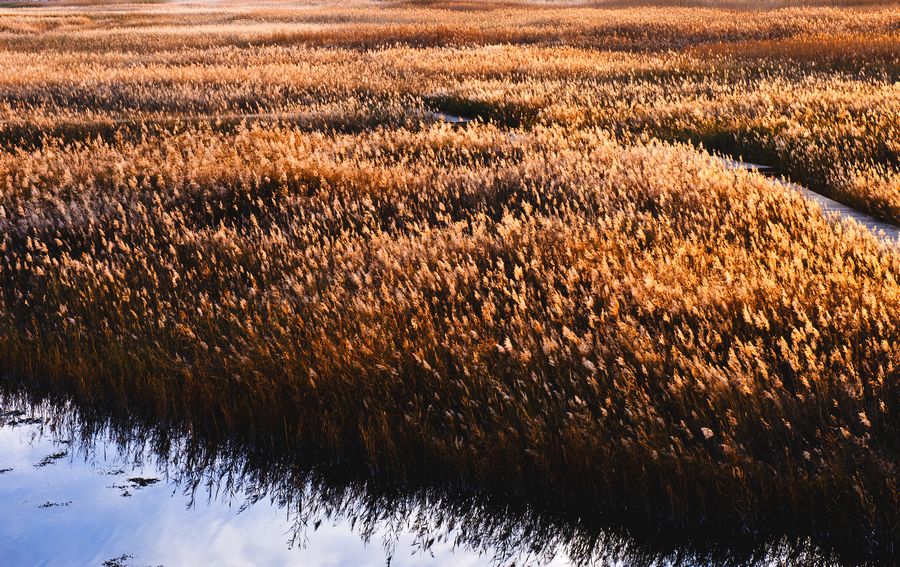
247	217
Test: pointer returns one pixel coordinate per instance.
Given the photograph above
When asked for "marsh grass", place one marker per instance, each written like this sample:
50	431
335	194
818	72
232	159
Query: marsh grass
558	303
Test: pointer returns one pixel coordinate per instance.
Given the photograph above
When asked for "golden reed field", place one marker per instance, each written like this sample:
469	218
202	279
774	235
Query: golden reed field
246	217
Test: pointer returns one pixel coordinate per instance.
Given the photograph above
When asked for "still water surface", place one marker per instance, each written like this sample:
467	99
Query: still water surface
67	503
73	494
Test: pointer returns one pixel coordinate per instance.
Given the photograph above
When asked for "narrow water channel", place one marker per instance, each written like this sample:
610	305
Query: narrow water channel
80	494
113	501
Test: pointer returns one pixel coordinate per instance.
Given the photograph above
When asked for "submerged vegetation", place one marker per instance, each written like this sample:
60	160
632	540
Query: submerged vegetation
249	220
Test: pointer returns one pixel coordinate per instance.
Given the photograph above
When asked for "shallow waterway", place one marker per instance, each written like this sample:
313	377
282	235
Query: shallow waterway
81	495
66	502
68	506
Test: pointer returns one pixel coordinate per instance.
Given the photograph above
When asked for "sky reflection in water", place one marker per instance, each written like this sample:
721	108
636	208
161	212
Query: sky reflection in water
81	509
84	493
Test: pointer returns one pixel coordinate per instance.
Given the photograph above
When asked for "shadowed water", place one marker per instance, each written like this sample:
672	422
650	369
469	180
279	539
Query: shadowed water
92	492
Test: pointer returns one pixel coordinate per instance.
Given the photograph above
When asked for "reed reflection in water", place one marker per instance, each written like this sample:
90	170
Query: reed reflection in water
80	490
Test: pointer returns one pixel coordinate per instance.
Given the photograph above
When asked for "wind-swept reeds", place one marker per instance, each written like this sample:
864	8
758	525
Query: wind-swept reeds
258	228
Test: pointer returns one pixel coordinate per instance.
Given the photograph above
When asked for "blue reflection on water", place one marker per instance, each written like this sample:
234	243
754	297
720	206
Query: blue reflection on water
79	489
64	504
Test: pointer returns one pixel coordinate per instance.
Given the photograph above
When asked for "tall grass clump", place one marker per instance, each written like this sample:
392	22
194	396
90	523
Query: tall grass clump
612	327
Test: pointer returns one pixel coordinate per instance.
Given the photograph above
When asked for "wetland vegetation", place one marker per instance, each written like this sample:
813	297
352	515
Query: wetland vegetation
245	221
